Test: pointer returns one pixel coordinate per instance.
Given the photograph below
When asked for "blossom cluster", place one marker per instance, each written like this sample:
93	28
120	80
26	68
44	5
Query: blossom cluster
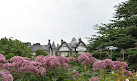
6	76
24	65
2	60
87	59
108	63
96	78
76	73
71	58
54	61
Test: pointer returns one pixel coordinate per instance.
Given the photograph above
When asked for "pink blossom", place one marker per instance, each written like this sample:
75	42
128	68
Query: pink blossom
38	64
65	65
128	73
71	58
54	63
76	73
106	63
16	59
3	59
6	76
118	65
7	66
51	60
42	71
39	58
87	59
97	66
96	78
25	58
63	59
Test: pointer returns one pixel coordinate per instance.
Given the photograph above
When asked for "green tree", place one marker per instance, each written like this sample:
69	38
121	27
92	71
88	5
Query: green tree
40	52
121	32
10	48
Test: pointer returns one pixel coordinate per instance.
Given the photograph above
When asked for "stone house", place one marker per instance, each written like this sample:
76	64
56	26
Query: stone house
62	50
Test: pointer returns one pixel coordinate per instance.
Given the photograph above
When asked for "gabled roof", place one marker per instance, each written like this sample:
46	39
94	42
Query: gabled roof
66	46
43	47
80	43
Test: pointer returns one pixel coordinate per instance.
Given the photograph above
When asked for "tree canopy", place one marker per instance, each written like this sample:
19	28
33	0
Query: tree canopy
121	32
10	48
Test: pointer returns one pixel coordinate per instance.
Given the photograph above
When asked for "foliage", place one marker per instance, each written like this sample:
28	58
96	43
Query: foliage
130	56
121	32
105	70
40	52
10	48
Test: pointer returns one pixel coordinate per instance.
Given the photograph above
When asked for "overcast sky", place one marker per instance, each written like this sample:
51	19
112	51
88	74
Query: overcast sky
40	20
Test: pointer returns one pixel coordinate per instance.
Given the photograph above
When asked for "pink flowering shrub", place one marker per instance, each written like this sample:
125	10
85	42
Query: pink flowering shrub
96	78
2	60
71	59
24	65
76	73
6	76
128	73
39	58
104	64
87	59
53	61
97	66
119	65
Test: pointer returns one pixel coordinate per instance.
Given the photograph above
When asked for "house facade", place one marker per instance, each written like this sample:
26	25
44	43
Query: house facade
64	49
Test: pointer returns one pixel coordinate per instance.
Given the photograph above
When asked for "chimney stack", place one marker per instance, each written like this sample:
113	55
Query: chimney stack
61	41
79	39
49	42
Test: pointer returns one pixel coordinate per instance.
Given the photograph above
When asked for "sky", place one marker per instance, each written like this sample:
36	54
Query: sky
37	21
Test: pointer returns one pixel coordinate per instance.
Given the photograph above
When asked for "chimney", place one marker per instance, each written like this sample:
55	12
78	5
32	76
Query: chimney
61	41
49	42
57	45
79	39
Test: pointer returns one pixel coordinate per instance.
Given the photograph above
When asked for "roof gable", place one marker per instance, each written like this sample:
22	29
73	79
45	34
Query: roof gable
64	47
